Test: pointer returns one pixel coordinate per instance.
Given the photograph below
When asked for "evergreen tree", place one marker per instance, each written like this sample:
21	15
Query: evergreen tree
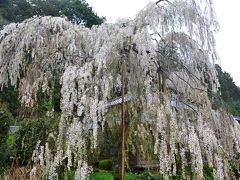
78	11
230	92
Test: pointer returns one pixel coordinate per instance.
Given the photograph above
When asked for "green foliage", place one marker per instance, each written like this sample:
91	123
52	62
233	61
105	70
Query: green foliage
7	140
5	118
64	174
27	58
71	174
31	130
7	149
11	139
9	97
20	145
43	103
107	175
56	93
51	143
105	164
235	168
216	101
48	102
44	106
230	93
177	177
146	175
108	139
207	172
101	176
61	172
130	176
188	168
178	159
4	158
149	175
3	5
208	83
78	11
3	21
233	107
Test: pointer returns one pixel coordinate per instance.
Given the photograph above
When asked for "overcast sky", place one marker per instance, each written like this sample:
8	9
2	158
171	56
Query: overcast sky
228	38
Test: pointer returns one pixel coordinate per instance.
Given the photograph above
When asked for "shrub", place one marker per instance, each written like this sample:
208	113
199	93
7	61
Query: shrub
105	164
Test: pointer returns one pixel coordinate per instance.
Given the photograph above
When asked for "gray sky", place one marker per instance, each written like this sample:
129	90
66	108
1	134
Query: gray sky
227	39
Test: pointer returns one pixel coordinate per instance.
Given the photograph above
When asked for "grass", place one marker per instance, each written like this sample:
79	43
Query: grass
108	176
102	176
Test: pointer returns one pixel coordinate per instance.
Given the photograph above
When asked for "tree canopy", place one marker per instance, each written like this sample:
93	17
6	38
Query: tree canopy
78	11
230	92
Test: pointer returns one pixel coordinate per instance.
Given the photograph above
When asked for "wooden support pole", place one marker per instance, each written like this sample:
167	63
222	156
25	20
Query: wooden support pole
122	148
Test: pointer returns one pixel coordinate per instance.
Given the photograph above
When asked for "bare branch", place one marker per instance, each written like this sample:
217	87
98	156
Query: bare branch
163	0
159	1
189	84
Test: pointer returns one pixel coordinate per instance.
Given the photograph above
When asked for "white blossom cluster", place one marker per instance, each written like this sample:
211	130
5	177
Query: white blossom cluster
169	52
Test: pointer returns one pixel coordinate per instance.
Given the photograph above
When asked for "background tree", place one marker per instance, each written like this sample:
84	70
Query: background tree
230	92
77	11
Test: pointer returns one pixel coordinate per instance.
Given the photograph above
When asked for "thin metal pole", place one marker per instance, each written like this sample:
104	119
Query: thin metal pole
122	165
